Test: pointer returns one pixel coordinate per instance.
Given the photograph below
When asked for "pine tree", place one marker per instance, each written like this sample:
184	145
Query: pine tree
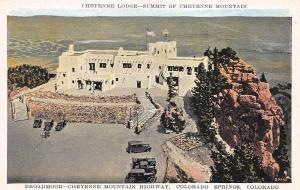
263	78
202	104
221	172
281	153
246	166
240	167
171	88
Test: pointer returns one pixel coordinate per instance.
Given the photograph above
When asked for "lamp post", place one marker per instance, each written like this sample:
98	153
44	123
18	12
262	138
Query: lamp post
129	114
137	119
137	131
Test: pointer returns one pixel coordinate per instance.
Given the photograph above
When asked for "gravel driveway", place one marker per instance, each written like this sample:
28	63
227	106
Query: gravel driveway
81	152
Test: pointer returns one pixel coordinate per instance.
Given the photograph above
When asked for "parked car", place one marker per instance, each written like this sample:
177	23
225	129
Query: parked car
48	125
45	134
137	146
150	161
148	164
60	125
37	122
140	175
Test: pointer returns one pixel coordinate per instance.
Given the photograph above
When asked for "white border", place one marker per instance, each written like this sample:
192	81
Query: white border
285	8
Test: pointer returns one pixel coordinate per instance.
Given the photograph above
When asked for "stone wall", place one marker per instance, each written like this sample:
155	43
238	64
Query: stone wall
81	113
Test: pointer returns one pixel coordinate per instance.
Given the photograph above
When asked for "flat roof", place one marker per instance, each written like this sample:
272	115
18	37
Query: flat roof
136	142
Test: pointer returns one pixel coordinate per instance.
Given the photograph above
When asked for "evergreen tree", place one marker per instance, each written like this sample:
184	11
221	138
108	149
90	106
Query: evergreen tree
246	166
263	78
26	75
202	104
221	172
171	88
240	167
227	54
281	153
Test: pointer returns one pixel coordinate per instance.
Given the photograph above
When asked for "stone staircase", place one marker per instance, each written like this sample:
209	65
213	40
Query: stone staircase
148	113
20	111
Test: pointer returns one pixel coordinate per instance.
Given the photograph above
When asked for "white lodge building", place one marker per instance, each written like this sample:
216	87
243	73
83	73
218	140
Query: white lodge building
107	69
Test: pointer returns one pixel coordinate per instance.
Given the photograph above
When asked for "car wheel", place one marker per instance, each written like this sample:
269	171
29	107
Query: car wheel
131	180
151	180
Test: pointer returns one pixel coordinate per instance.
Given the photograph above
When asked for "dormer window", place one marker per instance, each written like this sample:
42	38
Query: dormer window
139	66
148	66
73	70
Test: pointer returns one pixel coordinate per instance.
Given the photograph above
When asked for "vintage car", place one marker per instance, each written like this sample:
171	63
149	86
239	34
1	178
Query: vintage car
137	146
45	134
48	125
148	164
150	161
60	125
37	122
140	175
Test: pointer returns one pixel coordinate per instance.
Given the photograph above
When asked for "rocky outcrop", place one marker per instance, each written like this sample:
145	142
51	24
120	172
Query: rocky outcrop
248	113
183	168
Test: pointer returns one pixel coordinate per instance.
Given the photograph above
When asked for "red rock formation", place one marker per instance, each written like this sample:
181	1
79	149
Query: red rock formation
249	113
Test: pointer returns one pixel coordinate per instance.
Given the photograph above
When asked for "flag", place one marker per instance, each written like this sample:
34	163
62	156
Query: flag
150	33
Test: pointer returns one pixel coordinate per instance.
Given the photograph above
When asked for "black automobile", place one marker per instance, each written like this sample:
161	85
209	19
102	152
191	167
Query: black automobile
48	125
149	161
140	175
60	125
137	146
148	164
37	123
45	134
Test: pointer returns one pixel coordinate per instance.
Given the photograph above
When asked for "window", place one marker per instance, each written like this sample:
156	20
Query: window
189	71
127	65
175	68
62	82
181	69
81	67
64	75
170	68
165	51
157	79
112	82
139	66
148	66
157	52
102	65
92	66
73	70
117	79
196	69
159	67
73	81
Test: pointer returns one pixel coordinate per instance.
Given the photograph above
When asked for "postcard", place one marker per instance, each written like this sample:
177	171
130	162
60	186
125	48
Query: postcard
149	95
